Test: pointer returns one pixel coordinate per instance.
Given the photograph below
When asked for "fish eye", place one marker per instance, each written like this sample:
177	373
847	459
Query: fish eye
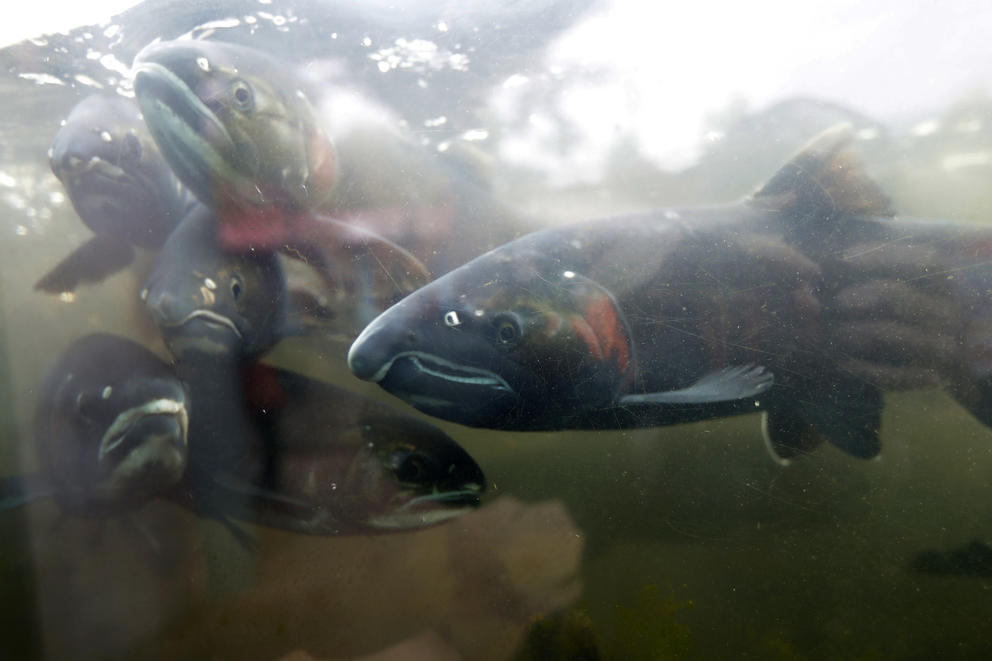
452	319
131	147
410	466
508	331
237	288
87	404
244	98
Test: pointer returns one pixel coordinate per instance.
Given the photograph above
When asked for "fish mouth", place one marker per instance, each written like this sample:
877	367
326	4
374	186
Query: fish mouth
119	437
188	132
98	185
210	318
430	509
432	366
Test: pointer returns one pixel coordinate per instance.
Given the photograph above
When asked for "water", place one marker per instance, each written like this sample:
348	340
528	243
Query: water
678	542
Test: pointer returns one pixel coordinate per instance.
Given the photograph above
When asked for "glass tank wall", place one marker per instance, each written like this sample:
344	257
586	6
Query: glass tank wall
568	329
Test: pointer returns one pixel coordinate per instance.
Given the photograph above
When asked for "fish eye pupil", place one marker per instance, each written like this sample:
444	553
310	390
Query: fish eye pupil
242	96
508	331
85	405
236	289
412	468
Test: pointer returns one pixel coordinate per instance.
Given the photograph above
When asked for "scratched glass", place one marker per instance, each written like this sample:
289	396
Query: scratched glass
570	329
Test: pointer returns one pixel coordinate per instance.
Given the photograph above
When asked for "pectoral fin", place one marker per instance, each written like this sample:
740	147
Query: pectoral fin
725	385
93	261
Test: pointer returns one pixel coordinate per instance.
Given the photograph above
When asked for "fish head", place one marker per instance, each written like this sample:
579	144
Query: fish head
114	174
408	474
111	426
505	341
236	125
206	300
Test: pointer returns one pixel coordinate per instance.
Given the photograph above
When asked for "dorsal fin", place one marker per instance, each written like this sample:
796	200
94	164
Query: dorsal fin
826	179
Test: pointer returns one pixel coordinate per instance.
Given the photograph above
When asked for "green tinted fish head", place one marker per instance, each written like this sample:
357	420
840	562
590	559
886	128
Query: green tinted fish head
510	339
236	125
207	301
408	474
111	426
114	174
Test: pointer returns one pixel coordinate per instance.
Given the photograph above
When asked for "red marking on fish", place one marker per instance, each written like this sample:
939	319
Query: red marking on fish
587	335
613	339
241	230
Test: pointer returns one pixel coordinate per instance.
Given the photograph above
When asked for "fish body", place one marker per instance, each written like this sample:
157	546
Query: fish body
327	461
119	184
552	330
666	317
241	130
113	423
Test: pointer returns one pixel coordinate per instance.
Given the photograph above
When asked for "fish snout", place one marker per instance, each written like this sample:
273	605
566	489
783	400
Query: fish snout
68	162
372	353
164	306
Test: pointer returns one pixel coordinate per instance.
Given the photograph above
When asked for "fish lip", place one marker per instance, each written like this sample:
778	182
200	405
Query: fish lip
176	105
180	98
93	165
406	517
479	376
468	497
101	184
210	317
114	438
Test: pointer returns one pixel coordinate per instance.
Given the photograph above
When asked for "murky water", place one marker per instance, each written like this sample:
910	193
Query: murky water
678	542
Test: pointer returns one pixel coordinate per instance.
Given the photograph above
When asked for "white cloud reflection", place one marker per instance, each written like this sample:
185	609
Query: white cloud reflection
661	68
33	18
653	72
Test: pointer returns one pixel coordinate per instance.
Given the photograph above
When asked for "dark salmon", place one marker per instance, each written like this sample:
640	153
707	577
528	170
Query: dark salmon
687	314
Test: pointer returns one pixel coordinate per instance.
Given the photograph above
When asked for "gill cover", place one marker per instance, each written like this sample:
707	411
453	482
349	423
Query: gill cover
590	326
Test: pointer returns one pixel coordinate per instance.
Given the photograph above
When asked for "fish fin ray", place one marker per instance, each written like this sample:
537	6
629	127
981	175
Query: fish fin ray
823	181
728	384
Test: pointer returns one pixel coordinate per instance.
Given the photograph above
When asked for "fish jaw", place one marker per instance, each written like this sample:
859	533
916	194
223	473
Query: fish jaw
145	450
453	490
190	135
141	455
203	332
401	355
427	510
